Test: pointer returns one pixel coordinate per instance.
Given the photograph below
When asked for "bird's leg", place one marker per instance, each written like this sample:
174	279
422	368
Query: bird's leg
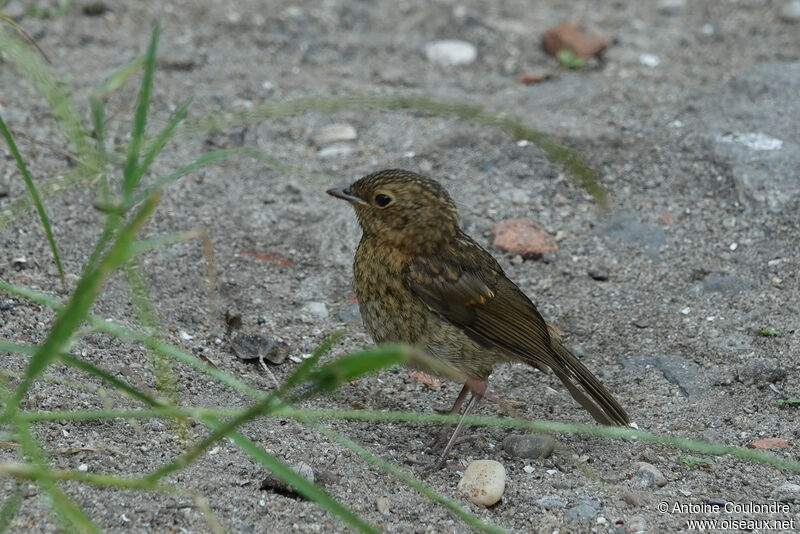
478	388
441	439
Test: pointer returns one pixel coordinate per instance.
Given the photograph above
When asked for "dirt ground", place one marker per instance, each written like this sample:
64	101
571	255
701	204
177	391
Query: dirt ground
691	120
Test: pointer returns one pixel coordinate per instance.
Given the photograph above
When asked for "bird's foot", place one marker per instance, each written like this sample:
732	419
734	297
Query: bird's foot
441	440
433	466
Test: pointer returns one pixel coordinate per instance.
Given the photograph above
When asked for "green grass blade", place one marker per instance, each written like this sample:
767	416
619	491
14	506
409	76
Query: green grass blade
130	177
303	486
351	366
118	78
34	195
27	36
69	513
161	139
468	518
78	306
111	379
148	317
98	110
304	369
31	66
575	164
202	161
10	506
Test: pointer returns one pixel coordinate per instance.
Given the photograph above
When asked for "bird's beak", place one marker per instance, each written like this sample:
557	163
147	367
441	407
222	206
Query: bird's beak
345	194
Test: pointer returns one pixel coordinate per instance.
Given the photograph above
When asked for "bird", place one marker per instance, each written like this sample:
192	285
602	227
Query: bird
420	280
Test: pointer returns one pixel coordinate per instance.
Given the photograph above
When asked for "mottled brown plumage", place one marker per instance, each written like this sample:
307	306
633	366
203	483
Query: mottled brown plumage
420	280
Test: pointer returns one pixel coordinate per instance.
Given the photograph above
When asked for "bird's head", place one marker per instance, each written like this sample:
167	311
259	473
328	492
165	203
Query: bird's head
402	209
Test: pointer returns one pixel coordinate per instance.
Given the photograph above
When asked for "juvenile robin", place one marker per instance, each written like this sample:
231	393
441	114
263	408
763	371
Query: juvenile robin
420	280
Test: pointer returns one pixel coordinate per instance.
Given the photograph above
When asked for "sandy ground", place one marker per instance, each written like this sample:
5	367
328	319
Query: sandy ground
700	245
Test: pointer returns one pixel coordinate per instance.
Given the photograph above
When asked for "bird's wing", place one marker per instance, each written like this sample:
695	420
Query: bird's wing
467	287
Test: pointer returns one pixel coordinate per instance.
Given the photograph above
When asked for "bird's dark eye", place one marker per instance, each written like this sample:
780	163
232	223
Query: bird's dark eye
382	200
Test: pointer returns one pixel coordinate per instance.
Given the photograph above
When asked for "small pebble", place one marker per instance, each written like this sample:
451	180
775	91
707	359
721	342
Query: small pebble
348	313
317	309
650	60
686	310
551	502
528	469
641	323
450	52
636	523
581	511
790	11
519	196
760	371
598	273
671	7
5	305
334	133
788	493
382	504
517	260
716	501
523	237
646	475
484	482
549	257
304	470
634	498
529	446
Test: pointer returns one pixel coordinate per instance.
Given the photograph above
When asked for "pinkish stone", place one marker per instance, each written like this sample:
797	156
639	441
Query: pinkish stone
523	237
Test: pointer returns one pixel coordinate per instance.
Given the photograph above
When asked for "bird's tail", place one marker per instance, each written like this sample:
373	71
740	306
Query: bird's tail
593	396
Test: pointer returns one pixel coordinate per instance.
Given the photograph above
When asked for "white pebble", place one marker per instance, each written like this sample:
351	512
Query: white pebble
686	310
790	11
528	469
734	246
450	52
317	309
753	140
650	60
83	468
333	133
185	336
484	482
304	470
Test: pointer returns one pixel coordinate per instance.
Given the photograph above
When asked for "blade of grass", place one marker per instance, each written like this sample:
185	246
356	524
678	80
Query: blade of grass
202	161
575	164
34	195
31	66
368	415
78	306
161	139
344	368
147	316
306	367
29	38
117	79
468	518
130	176
147	340
10	506
69	514
301	485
